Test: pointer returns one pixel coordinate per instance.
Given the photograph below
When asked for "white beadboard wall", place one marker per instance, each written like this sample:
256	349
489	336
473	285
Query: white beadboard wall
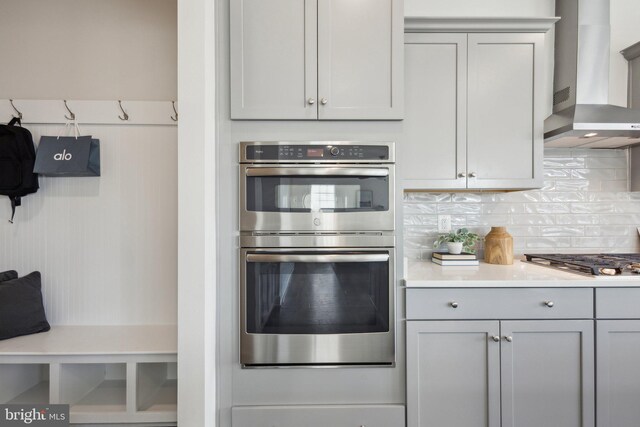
584	206
107	246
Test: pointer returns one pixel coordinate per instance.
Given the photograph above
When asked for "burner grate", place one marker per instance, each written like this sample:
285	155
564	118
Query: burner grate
589	264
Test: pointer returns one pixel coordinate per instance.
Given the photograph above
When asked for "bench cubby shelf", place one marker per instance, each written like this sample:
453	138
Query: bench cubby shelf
107	374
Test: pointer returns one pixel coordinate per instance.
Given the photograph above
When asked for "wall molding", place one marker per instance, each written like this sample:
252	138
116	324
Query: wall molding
424	24
89	112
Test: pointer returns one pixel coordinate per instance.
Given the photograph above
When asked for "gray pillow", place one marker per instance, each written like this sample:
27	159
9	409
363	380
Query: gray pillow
8	275
21	308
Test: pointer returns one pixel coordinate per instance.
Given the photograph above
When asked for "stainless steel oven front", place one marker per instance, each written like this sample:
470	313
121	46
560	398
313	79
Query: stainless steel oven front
326	303
317	186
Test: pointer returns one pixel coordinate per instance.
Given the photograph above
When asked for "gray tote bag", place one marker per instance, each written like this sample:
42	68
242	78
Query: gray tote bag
70	156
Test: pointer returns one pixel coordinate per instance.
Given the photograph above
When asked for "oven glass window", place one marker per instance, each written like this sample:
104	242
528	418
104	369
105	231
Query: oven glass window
317	297
317	193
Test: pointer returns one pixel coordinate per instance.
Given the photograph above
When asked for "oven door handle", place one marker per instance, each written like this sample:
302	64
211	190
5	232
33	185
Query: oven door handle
324	258
317	171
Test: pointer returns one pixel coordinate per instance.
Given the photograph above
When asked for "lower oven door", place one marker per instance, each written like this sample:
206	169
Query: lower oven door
317	307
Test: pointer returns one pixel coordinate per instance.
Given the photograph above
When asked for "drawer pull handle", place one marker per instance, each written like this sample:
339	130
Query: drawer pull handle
549	304
453	304
508	338
495	338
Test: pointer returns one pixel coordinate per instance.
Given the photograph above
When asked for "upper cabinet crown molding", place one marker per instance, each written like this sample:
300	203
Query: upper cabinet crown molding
428	24
632	52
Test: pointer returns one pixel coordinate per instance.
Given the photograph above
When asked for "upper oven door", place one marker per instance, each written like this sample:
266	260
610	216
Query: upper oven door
317	198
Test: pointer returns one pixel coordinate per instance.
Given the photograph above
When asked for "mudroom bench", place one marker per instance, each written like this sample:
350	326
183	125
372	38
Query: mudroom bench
107	374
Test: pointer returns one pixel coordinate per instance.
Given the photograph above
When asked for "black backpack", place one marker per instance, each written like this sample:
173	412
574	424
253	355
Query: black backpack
17	156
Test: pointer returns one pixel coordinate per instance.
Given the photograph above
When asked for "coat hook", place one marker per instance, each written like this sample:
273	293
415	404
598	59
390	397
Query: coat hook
124	116
173	104
16	110
73	116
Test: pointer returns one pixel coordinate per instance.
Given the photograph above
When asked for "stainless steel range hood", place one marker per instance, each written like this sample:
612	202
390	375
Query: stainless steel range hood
581	116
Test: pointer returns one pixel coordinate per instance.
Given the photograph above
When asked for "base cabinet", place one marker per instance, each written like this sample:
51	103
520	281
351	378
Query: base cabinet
318	416
500	373
618	373
453	374
547	373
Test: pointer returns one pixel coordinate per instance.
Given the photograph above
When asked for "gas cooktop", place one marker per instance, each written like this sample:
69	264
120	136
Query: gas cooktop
590	264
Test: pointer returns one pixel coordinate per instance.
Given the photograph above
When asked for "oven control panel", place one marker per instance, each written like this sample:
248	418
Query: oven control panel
317	153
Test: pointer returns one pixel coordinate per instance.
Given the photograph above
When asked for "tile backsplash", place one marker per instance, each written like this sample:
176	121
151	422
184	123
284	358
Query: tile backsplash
584	206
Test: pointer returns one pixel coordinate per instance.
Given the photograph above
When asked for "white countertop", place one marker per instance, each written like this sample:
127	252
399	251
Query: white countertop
426	274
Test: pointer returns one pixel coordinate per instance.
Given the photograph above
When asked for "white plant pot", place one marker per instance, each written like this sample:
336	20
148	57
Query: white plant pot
454	247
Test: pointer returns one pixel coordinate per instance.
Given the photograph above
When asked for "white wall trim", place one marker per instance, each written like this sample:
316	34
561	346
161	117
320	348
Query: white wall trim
427	24
197	357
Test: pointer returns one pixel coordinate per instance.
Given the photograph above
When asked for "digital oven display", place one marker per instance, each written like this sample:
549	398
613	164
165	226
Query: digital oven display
315	152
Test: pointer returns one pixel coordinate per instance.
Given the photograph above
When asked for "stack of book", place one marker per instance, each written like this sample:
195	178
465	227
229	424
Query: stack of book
445	258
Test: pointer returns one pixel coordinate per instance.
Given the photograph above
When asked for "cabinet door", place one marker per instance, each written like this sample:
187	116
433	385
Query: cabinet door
453	374
505	118
434	154
274	59
360	59
618	370
634	83
318	416
547	373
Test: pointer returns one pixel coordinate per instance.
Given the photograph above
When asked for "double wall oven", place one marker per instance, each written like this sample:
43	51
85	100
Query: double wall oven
317	254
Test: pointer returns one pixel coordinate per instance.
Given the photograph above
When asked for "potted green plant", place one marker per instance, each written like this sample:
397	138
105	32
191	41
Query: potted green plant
457	241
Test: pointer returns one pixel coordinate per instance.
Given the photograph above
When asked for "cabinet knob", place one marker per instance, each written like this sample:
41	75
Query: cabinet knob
462	175
495	338
324	101
473	175
508	339
311	101
453	304
549	303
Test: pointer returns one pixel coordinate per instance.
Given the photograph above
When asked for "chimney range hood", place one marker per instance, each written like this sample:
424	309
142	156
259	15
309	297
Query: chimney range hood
581	116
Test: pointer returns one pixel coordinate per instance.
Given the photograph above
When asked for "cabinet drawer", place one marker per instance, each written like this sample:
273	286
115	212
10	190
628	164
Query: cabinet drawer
500	303
618	303
318	416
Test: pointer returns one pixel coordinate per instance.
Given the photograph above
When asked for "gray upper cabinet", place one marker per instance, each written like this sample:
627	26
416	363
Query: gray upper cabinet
310	59
632	54
435	117
274	59
474	110
505	118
